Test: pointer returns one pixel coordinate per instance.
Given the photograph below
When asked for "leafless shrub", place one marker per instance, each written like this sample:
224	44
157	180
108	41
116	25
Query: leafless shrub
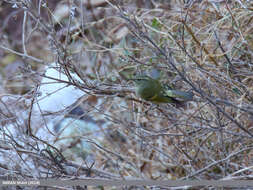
202	46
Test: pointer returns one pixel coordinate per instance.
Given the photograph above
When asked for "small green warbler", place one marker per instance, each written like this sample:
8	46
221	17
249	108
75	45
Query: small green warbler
152	90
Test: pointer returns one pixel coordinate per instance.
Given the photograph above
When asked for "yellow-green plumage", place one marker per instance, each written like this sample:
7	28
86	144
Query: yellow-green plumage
152	90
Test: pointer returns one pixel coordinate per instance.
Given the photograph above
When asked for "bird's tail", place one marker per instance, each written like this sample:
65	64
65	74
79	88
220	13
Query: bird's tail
183	96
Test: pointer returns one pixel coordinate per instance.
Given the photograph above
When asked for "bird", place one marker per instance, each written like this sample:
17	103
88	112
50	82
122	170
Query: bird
156	92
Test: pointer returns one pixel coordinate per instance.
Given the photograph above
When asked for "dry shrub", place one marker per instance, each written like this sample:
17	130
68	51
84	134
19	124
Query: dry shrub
202	46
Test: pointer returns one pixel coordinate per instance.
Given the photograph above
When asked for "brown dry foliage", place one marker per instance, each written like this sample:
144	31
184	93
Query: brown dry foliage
202	46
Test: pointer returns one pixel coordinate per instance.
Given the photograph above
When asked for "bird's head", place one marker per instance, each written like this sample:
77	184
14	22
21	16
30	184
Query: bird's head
141	80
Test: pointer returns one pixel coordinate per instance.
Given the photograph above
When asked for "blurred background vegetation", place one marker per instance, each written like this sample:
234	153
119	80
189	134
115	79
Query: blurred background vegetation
67	108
